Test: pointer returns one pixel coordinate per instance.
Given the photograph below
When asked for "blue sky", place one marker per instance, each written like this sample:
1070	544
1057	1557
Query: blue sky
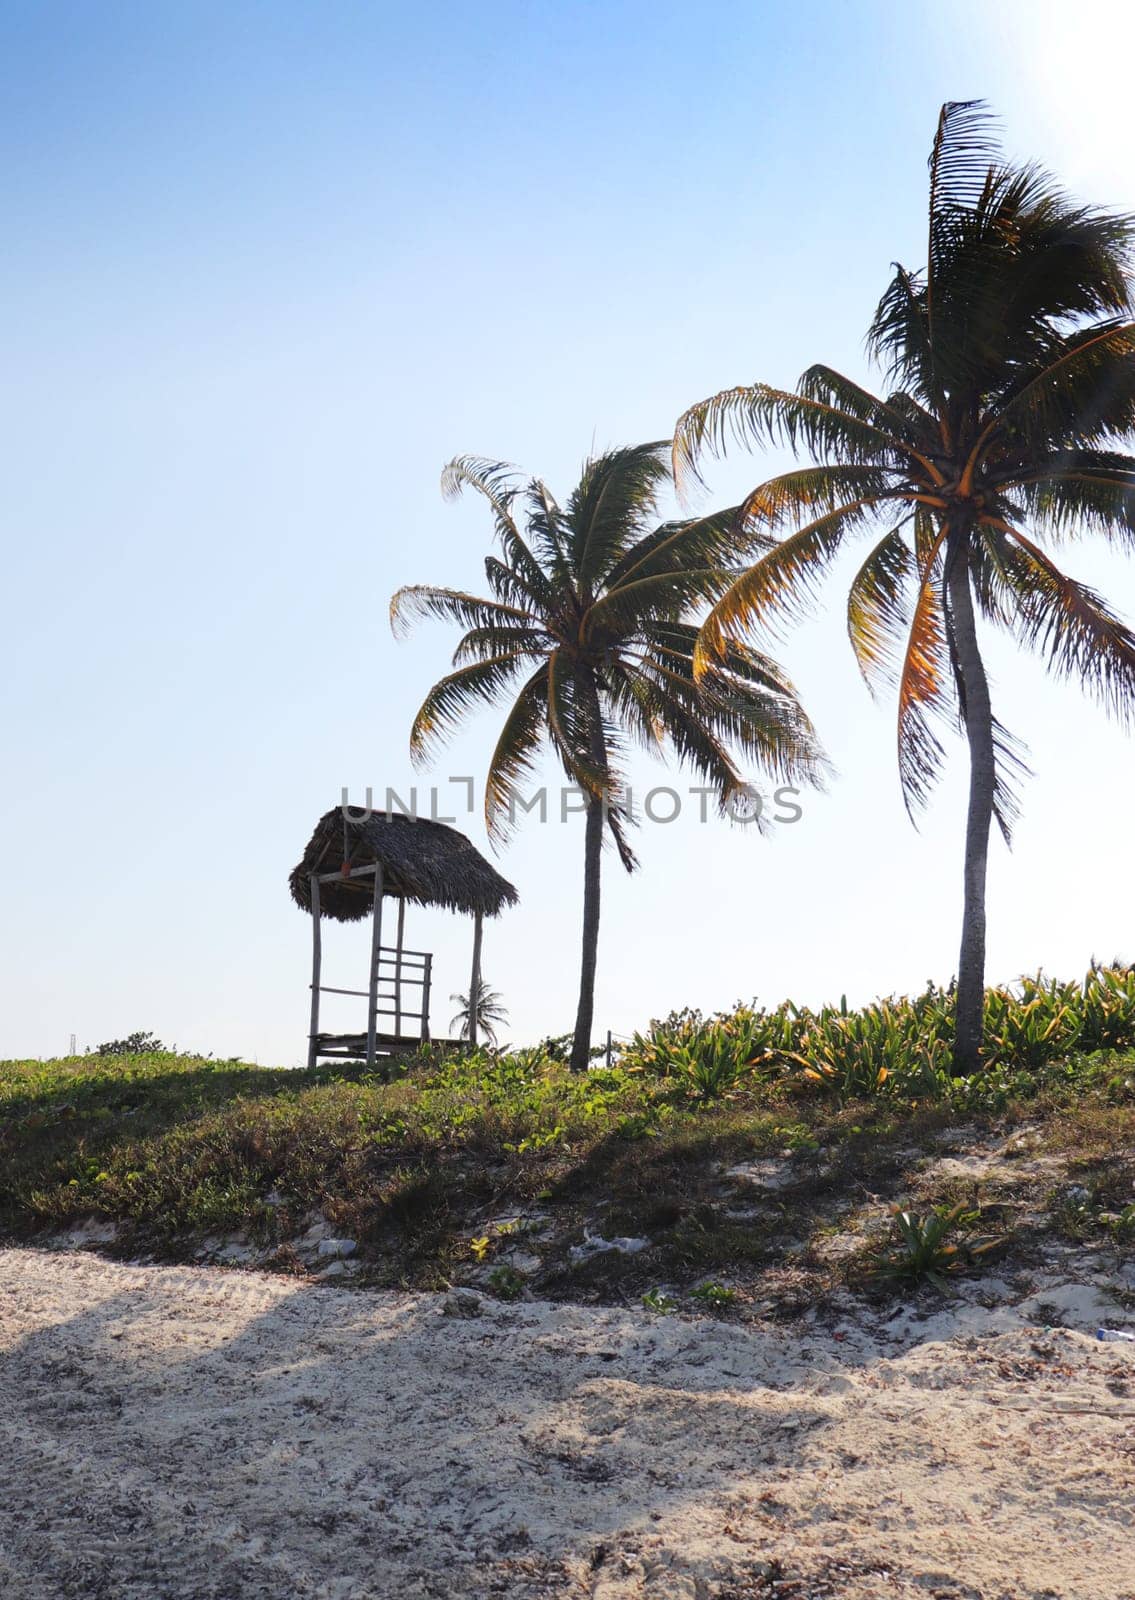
268	268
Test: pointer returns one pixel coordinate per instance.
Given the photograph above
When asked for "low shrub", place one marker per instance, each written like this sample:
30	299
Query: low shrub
897	1047
926	1249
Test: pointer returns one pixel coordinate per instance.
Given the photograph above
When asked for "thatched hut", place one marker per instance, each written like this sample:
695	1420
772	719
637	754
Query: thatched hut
355	861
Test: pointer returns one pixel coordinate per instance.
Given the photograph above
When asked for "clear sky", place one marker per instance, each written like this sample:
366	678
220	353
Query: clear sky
267	267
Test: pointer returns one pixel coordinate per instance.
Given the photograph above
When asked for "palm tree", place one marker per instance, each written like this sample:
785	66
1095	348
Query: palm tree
480	1019
590	633
1010	365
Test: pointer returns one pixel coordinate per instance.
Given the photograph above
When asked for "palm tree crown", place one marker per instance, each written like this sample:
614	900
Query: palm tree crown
590	631
590	619
1011	368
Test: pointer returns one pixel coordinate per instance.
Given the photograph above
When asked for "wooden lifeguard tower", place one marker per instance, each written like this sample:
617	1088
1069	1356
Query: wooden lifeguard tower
357	860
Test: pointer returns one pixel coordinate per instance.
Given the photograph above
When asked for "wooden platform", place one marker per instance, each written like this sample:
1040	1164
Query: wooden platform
353	1046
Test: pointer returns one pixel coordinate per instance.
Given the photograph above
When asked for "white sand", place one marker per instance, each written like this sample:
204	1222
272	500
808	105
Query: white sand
212	1435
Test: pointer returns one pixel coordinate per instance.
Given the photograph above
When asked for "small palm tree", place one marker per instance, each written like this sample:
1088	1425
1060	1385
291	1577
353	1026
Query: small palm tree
590	632
481	1018
1012	364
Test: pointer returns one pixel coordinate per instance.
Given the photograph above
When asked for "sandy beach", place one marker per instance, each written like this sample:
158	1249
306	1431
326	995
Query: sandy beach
221	1435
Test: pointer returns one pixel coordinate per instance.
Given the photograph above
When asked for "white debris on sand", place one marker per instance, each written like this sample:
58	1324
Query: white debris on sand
595	1245
336	1247
201	1434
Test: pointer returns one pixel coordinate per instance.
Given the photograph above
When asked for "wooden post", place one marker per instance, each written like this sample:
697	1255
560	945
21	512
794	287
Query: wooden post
316	964
427	973
398	968
375	950
608	1049
475	980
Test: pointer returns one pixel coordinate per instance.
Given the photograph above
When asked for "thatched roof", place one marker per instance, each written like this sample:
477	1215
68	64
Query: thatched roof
421	861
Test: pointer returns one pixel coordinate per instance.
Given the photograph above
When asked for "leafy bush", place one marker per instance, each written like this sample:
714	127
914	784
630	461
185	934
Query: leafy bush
704	1059
898	1047
134	1044
1033	1027
709	1065
885	1047
1107	1008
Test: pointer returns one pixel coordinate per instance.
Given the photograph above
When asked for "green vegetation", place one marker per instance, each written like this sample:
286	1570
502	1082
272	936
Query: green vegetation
138	1043
1010	364
714	1295
446	1170
897	1048
926	1250
505	1282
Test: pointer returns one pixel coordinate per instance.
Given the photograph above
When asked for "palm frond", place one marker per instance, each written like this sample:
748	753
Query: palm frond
574	723
793	497
455	696
609	508
1071	626
680	639
617	822
925	692
1084	489
878	609
907	420
707	541
621	609
520	575
1010	769
783	584
745	698
549	531
758	414
963	151
495	480
899	339
478	644
961	158
1072	261
499	484
521	583
1084	394
420	600
515	755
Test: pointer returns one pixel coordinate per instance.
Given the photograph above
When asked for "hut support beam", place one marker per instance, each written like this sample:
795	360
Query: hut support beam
475	979
398	968
316	964
375	952
426	978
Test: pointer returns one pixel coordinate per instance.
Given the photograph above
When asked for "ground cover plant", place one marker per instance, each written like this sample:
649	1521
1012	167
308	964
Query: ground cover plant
929	1247
723	1151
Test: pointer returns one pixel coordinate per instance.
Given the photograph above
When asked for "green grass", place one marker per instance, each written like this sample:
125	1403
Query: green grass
174	1148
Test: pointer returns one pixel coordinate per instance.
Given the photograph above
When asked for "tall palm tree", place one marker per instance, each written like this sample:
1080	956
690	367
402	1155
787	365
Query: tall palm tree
590	634
1010	365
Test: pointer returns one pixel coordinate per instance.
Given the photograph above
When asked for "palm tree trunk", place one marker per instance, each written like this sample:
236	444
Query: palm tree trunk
592	860
970	1010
